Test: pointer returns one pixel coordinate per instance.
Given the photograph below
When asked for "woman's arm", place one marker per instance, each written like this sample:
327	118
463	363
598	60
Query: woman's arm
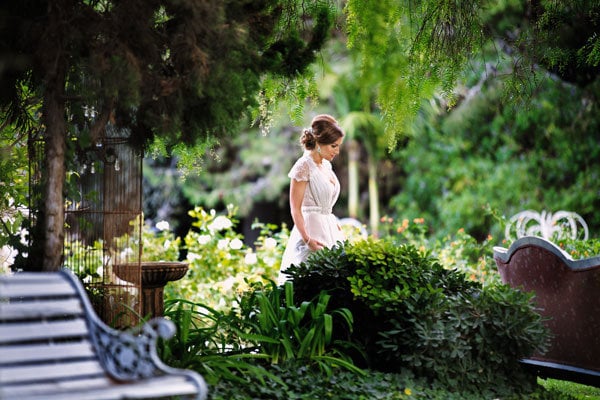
297	189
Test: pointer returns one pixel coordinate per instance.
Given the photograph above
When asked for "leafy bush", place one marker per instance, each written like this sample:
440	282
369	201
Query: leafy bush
465	340
301	382
297	381
411	312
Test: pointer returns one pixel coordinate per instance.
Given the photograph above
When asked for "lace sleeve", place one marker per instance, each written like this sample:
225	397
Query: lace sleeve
300	171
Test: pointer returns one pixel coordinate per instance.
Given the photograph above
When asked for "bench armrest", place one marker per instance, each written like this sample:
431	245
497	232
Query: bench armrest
131	355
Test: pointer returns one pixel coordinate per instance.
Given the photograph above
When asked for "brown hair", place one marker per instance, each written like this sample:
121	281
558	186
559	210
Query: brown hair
324	129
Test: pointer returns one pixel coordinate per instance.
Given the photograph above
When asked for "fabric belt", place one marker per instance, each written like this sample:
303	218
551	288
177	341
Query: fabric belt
317	209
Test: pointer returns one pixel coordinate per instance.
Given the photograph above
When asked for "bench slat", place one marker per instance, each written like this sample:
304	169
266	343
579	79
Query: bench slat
40	309
18	391
36	288
30	277
50	371
12	333
99	389
44	352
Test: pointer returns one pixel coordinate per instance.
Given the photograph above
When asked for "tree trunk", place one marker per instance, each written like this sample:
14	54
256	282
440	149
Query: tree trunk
54	173
353	193
373	197
53	65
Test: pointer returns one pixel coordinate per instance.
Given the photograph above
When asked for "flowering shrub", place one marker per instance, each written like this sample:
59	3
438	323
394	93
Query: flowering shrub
460	251
221	264
159	244
465	253
580	249
13	234
409	232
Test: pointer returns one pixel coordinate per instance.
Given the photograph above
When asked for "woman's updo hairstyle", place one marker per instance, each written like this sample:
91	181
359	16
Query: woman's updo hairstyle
324	129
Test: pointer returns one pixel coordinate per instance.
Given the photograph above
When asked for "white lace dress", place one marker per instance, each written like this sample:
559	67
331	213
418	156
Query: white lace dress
321	193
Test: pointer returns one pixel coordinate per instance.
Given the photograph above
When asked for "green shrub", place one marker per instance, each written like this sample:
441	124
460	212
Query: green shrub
465	340
297	381
301	382
410	312
385	275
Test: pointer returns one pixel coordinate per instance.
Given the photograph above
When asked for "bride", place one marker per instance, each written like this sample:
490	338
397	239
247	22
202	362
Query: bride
314	189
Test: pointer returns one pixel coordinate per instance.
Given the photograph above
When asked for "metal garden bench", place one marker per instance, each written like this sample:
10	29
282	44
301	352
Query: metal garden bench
53	346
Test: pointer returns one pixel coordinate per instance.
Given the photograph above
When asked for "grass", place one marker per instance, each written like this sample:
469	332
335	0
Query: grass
576	390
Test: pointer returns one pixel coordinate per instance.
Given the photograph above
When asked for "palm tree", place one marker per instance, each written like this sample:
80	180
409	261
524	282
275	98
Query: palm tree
364	131
365	128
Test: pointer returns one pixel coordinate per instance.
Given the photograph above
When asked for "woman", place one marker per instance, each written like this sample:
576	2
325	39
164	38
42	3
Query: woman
314	189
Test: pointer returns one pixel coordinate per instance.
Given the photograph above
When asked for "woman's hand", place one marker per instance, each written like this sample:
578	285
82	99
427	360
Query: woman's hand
314	244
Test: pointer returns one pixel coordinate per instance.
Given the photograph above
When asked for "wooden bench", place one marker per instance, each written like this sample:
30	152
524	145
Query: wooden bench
566	295
53	346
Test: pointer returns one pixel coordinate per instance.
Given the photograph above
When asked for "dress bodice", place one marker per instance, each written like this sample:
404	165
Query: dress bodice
323	187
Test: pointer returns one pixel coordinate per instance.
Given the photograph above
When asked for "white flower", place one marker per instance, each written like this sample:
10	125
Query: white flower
7	257
128	251
166	244
236	244
191	256
227	284
219	223
270	243
270	261
24	233
222	244
203	239
162	226
250	258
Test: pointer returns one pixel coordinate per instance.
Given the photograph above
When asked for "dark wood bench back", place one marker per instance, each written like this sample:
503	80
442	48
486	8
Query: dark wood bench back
566	295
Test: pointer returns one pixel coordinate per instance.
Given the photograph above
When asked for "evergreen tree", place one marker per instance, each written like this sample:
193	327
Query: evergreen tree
184	71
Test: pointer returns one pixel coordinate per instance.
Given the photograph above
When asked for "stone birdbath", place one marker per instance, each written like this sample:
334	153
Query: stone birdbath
155	276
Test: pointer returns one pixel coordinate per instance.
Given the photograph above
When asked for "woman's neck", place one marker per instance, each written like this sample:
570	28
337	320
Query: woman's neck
317	158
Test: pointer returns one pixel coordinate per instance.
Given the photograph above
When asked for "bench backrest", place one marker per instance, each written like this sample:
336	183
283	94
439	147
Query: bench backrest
44	333
565	294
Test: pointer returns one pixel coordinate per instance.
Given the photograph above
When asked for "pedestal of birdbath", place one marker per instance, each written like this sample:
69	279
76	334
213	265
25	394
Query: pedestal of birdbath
155	275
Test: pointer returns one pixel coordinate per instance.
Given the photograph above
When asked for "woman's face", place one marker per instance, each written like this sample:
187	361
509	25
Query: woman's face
330	151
